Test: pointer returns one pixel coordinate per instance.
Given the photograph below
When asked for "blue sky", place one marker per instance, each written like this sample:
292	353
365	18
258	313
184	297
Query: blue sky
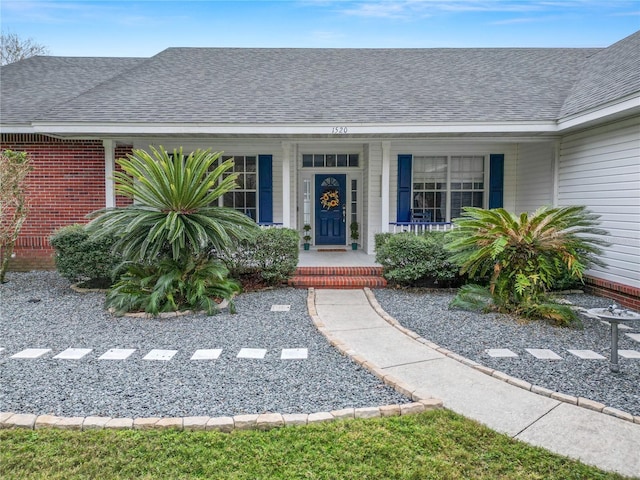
144	28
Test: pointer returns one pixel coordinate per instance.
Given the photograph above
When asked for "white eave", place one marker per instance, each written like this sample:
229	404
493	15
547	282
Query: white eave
332	129
16	128
623	107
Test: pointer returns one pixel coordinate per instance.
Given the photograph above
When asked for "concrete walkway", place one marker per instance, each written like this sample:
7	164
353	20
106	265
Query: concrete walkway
592	437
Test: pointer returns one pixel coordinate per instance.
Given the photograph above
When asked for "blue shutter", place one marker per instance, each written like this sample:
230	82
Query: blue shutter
496	180
404	188
265	188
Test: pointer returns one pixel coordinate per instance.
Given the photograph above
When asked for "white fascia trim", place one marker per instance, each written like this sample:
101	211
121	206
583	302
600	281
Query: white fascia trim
618	108
333	129
16	128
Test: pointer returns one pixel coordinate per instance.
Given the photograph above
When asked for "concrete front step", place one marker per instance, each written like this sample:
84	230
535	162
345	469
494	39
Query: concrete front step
338	277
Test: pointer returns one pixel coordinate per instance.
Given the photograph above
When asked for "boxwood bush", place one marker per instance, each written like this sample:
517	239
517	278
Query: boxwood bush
416	260
273	254
81	258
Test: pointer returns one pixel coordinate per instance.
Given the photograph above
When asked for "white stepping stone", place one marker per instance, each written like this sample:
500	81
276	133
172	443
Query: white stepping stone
543	354
117	354
252	353
207	354
629	353
632	336
31	353
73	353
294	354
586	354
1	349
280	308
158	354
500	352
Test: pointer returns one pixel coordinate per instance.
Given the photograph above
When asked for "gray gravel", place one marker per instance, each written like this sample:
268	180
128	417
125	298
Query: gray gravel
61	318
470	335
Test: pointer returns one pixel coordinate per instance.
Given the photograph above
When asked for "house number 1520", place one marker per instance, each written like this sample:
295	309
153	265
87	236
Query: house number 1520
339	130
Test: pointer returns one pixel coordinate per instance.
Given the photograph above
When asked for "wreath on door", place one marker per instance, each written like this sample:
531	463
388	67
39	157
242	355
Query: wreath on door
329	199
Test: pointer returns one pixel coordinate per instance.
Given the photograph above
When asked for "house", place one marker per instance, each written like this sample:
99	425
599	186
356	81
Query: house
394	137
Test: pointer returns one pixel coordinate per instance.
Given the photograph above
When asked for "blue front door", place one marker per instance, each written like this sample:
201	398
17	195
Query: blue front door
330	210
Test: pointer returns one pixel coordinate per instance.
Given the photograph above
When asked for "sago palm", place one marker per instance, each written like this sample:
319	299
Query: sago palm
170	230
522	255
174	208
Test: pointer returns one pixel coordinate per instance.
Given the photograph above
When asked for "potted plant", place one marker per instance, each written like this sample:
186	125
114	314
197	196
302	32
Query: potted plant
354	235
307	236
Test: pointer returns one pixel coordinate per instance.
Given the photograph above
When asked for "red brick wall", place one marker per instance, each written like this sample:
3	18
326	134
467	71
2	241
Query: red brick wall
624	295
67	183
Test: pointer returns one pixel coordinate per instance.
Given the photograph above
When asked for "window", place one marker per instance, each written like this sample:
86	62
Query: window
331	160
467	183
243	198
443	185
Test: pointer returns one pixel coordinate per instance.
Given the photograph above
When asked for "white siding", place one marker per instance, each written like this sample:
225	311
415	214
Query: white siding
600	168
534	179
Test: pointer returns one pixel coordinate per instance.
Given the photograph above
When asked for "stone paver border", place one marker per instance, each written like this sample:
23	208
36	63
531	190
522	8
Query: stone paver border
264	421
579	401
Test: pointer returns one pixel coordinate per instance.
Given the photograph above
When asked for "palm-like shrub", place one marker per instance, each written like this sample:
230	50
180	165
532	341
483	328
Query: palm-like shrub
167	234
522	256
170	286
175	206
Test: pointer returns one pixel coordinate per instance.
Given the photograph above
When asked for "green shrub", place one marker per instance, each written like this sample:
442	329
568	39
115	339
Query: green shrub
273	253
381	238
80	257
277	254
172	285
168	232
525	255
565	280
417	260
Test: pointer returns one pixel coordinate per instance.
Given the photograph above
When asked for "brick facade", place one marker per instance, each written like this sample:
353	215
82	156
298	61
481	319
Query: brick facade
624	295
67	183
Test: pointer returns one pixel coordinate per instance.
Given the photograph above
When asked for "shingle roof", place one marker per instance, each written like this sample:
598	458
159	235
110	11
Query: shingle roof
37	84
204	85
266	86
609	75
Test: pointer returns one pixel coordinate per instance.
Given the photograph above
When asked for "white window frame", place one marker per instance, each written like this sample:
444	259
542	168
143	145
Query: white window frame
448	190
242	190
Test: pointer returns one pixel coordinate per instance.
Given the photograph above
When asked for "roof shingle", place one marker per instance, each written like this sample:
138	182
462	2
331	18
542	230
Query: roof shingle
38	84
609	75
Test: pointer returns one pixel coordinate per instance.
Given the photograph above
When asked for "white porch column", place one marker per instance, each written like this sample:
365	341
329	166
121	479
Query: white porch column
384	186
109	167
286	184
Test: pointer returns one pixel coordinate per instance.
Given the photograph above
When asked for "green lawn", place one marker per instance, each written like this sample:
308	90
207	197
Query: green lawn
437	444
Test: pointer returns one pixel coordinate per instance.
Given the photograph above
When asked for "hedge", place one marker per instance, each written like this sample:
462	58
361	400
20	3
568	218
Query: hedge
80	258
273	253
416	260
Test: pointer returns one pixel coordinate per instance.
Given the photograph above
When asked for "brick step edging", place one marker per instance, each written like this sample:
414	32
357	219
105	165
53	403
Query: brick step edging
340	271
578	401
310	281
